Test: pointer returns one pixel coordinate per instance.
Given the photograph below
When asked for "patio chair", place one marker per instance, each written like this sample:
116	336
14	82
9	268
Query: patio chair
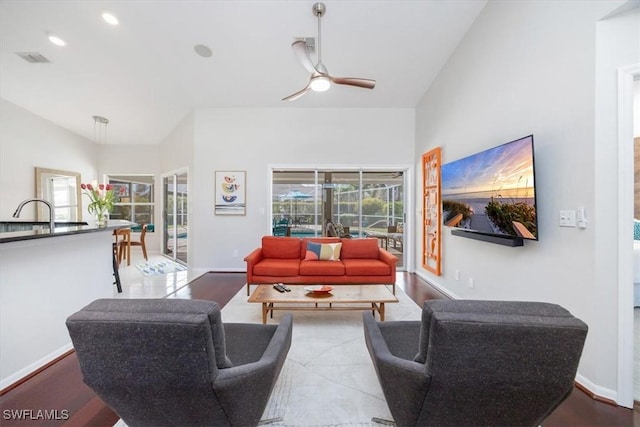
171	362
476	363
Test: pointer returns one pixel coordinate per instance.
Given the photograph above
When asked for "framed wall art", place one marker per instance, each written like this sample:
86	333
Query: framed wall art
431	206
230	193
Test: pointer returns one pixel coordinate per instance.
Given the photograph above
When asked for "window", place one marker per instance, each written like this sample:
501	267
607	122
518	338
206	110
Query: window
362	203
135	198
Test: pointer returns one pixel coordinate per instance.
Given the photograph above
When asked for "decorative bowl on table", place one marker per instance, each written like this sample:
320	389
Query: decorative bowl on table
320	289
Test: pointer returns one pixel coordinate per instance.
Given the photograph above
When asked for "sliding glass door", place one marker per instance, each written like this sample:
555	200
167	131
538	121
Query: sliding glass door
359	203
176	218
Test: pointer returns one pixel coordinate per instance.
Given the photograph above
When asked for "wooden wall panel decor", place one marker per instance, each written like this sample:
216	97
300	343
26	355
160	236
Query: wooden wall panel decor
431	211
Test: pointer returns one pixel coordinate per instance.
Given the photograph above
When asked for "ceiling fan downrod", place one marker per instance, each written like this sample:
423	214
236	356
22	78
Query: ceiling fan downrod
319	9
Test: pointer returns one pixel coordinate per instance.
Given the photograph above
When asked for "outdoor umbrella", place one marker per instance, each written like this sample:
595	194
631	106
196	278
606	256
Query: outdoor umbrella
295	195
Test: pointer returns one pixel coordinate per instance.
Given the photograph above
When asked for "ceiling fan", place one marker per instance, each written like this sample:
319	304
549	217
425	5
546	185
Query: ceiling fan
320	79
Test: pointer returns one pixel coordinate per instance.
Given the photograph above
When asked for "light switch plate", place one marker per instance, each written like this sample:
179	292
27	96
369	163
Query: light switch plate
567	218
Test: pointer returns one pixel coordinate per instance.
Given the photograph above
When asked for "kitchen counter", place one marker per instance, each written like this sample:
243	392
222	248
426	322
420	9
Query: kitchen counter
44	278
42	230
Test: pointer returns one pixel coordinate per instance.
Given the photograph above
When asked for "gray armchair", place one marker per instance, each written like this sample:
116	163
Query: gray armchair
159	362
476	363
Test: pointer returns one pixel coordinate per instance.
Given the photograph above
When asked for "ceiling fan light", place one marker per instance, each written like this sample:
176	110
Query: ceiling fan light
110	18
56	40
320	84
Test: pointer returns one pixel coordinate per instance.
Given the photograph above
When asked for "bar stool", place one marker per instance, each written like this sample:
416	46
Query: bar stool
116	273
123	244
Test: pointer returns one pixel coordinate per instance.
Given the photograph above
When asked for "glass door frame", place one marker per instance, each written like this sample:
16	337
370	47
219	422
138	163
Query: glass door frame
173	176
407	174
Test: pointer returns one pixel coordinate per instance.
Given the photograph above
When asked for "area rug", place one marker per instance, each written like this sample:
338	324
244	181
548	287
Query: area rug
161	267
328	378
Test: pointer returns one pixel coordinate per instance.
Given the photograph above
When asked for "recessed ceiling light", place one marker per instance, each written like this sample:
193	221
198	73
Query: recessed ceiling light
110	18
56	40
203	50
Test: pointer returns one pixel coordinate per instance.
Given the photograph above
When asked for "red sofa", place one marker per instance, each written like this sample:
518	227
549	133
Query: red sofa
282	260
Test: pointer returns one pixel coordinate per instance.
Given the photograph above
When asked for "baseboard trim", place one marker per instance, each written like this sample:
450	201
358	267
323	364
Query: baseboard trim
34	369
596	392
446	292
595	396
601	394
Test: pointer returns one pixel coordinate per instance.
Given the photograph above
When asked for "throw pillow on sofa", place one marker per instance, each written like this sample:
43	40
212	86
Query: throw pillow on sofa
323	251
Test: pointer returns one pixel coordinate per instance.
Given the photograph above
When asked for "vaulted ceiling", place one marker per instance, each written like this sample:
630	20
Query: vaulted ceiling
145	76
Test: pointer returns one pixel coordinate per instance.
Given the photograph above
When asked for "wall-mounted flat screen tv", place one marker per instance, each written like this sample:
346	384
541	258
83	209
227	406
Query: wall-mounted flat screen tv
493	192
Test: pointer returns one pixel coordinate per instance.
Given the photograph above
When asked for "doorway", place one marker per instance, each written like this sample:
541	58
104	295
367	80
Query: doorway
176	216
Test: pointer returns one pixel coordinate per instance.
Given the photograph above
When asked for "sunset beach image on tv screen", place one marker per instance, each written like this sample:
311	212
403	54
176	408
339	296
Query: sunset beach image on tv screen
492	192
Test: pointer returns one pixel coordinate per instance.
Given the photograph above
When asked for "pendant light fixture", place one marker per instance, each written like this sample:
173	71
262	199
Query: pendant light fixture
100	129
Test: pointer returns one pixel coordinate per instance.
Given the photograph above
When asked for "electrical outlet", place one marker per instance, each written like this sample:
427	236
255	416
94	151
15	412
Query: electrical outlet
235	253
472	283
457	274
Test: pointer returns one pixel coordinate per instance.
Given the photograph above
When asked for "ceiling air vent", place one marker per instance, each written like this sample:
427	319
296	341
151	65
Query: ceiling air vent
33	57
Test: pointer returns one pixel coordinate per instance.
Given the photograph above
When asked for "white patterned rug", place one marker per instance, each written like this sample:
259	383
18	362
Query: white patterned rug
162	267
328	378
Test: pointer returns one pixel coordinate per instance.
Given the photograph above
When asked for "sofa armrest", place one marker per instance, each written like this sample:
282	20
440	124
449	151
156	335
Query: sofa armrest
252	259
254	256
387	257
390	259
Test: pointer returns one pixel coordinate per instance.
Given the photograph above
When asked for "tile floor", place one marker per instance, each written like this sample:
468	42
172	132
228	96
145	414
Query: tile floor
137	285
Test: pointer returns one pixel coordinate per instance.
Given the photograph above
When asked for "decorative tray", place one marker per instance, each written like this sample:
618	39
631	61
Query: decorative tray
319	289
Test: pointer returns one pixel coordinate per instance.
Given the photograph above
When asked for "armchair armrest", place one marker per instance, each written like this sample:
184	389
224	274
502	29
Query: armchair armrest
232	384
397	376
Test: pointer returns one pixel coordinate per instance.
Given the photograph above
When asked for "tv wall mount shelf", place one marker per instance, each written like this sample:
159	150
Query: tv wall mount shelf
491	238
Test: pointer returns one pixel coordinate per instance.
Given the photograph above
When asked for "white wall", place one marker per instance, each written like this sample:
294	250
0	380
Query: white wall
176	150
255	139
28	141
529	67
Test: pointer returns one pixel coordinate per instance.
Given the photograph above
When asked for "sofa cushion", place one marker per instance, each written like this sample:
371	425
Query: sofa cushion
323	251
324	268
303	244
277	267
366	267
280	247
359	249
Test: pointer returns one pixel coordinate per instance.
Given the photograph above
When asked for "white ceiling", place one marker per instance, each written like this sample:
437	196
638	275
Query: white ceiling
145	77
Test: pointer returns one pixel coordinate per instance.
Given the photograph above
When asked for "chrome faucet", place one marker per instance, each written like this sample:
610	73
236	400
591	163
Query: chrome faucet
52	225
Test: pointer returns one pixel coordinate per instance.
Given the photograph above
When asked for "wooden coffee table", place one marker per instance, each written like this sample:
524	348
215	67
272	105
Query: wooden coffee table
342	297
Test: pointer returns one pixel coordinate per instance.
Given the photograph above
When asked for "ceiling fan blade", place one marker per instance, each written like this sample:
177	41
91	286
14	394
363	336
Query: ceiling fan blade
302	53
296	95
354	81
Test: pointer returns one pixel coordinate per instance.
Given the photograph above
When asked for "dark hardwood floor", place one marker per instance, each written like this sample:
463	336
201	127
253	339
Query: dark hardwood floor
59	389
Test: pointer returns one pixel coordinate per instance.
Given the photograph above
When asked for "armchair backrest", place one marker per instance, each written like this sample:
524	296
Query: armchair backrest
132	349
497	362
